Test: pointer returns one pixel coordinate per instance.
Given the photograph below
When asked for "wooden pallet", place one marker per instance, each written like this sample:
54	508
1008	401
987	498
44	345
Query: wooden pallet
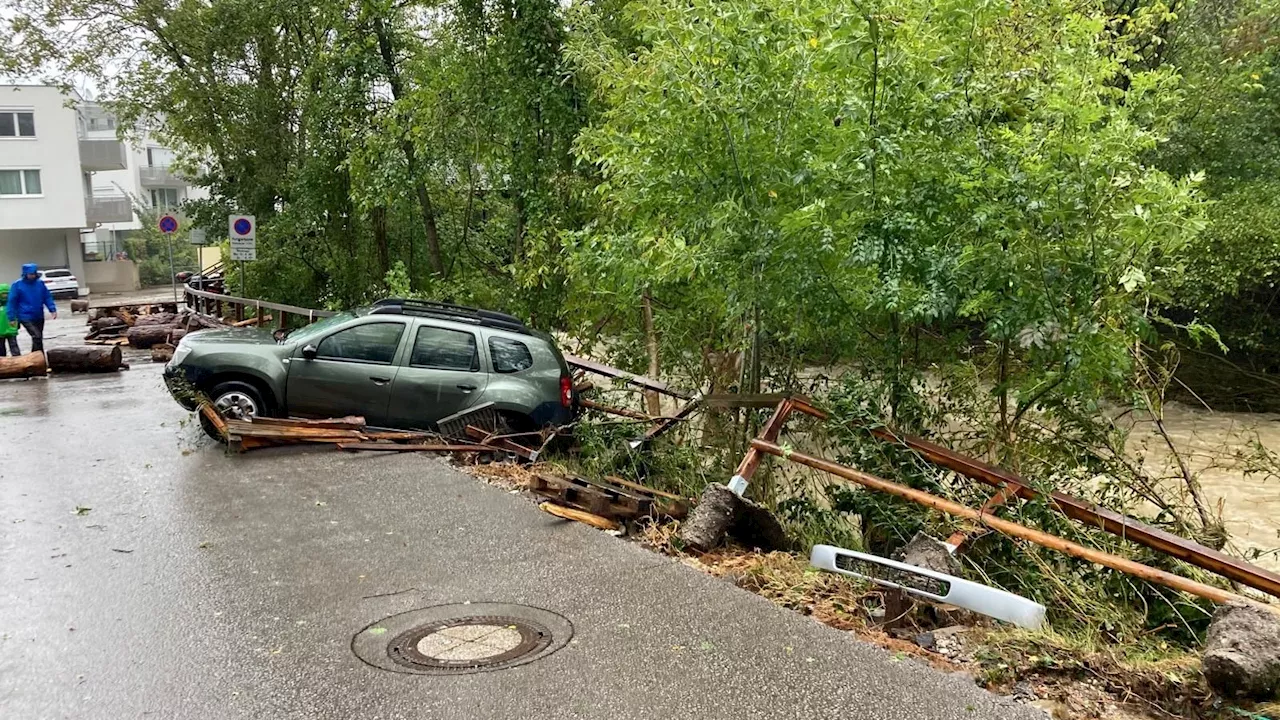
595	497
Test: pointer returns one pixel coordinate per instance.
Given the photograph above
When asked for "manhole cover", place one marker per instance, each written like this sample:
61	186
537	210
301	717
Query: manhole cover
461	639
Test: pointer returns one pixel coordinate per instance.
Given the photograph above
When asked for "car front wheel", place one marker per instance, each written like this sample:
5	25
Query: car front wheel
234	400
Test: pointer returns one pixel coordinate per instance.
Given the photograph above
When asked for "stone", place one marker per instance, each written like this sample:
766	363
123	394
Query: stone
923	551
756	527
926	641
721	512
710	520
1242	652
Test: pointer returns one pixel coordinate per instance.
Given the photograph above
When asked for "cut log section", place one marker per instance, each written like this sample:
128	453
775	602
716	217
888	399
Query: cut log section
161	353
79	306
23	366
163	318
103	323
144	336
89	359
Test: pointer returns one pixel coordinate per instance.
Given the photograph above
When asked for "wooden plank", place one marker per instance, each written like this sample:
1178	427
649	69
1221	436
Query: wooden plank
624	412
215	418
579	516
350	422
486	438
666	503
630	378
1011	529
392	447
744	400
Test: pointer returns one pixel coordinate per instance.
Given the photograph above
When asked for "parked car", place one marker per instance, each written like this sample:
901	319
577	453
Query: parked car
61	282
400	363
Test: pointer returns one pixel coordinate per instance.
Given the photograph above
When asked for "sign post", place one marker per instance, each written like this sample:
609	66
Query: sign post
169	225
243	230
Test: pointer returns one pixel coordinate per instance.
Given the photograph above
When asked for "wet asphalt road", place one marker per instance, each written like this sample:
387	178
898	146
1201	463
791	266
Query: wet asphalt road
195	584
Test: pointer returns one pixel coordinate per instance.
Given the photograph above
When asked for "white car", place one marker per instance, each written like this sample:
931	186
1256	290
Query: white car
60	281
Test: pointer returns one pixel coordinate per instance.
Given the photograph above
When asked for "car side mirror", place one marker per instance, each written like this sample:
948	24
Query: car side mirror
309	352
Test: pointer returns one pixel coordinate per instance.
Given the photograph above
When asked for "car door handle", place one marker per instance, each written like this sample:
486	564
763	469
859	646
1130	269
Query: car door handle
379	380
466	388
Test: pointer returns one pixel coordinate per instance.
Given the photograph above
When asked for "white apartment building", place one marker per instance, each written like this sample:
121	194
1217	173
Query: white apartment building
67	187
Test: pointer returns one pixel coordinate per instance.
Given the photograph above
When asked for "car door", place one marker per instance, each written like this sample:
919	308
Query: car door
439	375
351	372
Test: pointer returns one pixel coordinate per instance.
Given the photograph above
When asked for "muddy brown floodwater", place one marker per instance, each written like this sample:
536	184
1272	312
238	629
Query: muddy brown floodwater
1211	442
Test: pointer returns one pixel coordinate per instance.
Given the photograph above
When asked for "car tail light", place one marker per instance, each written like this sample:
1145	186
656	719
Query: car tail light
566	392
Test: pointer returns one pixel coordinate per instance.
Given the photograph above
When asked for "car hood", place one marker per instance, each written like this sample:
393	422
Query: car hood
230	336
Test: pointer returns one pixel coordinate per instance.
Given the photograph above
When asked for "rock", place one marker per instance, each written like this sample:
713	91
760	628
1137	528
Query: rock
710	520
1242	653
923	551
756	527
721	512
926	641
1023	692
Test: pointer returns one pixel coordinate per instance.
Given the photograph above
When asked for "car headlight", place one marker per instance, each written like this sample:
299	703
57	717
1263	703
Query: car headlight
180	354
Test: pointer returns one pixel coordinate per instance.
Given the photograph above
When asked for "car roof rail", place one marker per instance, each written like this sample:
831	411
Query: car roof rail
449	311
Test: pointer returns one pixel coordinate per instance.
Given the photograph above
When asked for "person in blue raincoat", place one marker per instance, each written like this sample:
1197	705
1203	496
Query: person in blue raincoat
28	298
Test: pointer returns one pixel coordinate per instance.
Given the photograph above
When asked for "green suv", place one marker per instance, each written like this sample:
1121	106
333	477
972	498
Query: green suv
400	363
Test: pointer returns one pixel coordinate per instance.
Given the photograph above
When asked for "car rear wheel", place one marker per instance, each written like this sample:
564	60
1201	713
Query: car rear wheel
234	400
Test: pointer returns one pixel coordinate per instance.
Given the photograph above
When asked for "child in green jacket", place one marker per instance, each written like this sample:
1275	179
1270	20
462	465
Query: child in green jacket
8	330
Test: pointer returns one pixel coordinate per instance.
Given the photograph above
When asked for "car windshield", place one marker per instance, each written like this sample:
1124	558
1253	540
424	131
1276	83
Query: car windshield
318	327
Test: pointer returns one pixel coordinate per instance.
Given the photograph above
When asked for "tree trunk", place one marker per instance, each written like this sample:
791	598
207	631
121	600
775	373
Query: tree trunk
29	365
164	318
652	401
79	306
387	51
93	358
107	322
378	217
145	336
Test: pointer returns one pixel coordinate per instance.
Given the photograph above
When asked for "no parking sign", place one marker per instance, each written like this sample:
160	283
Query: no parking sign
243	232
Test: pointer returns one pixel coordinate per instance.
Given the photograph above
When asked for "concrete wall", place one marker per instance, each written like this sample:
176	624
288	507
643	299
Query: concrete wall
54	151
116	276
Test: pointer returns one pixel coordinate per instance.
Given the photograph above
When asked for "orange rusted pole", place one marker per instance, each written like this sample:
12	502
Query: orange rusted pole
1012	529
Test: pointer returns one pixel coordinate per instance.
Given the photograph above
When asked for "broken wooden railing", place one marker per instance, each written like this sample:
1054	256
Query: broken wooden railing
216	305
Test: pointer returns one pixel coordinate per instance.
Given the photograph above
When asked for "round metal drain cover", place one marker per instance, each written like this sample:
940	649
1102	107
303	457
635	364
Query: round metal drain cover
462	639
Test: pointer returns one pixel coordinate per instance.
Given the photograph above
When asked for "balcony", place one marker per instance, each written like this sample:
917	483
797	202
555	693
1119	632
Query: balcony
102	155
159	176
108	210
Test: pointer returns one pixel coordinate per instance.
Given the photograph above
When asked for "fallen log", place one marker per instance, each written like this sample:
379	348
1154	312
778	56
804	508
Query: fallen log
88	359
161	353
22	366
107	322
79	306
176	335
144	336
161	318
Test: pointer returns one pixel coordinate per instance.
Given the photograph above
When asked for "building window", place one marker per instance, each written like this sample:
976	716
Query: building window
17	124
20	182
159	157
165	198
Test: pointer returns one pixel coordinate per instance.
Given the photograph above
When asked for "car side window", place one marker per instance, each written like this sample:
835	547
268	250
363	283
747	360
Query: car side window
371	343
509	356
444	349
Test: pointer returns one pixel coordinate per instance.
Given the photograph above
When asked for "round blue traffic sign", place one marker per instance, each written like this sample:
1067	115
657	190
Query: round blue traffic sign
243	226
168	224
